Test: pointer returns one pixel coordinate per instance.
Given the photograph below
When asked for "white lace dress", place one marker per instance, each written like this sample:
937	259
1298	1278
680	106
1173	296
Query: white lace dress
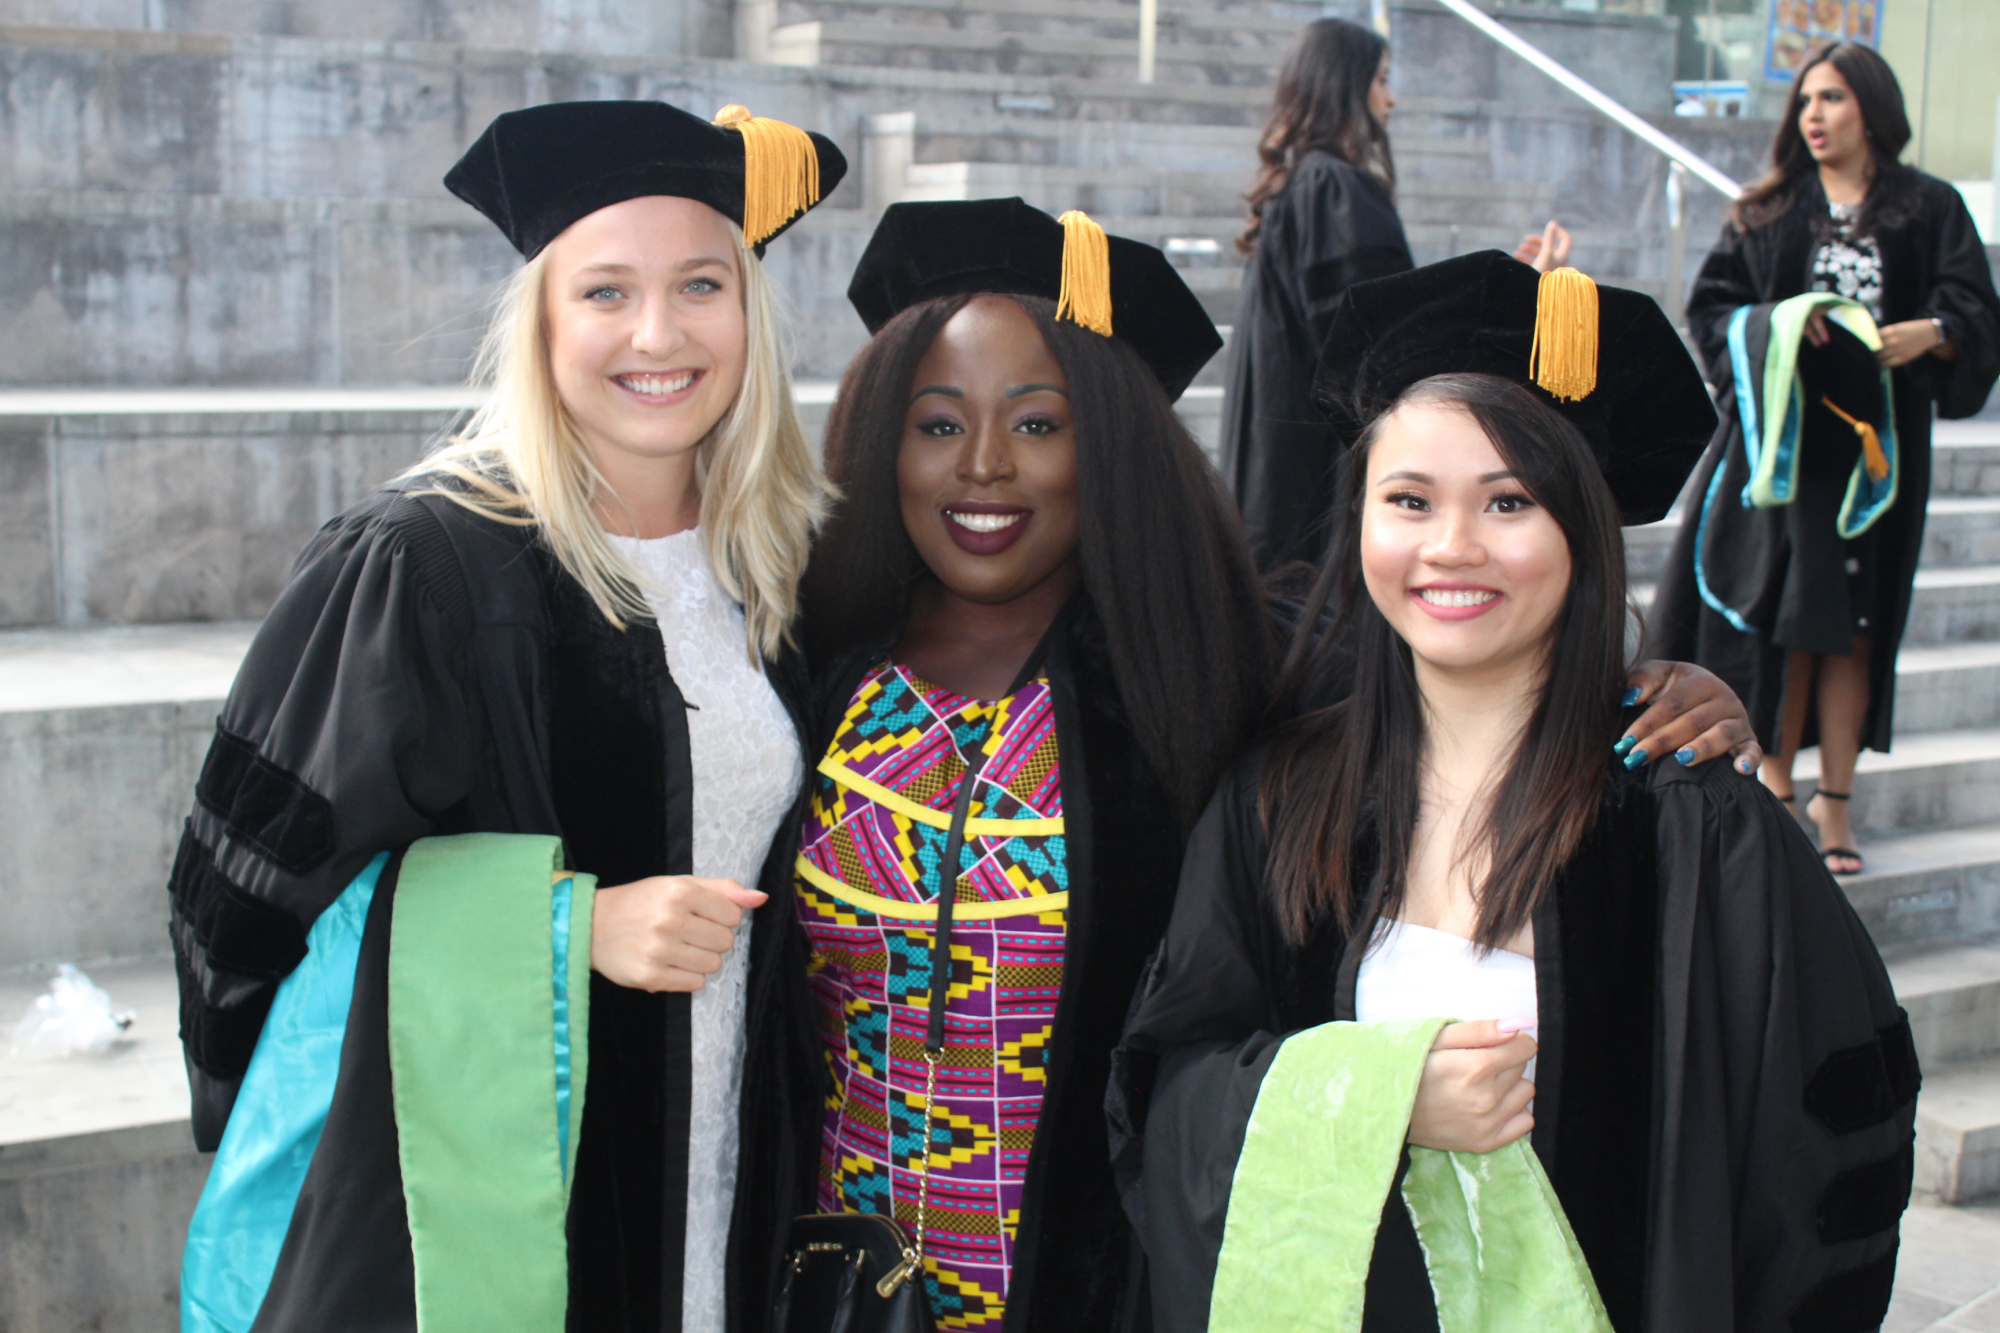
746	772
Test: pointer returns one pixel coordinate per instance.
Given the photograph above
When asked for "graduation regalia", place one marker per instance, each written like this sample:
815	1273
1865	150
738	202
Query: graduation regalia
1333	225
1780	571
861	924
1725	1092
430	671
1725	1096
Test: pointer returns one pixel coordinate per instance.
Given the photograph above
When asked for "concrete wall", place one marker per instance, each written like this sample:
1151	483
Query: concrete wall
1629	56
91	804
91	1230
603	27
137	518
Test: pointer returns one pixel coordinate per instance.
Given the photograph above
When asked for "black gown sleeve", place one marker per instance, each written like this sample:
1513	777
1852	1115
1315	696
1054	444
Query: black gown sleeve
1785	1086
1724	283
1202	1035
345	733
1346	230
1962	296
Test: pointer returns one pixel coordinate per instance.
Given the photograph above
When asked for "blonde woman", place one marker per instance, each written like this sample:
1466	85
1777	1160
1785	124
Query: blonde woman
567	621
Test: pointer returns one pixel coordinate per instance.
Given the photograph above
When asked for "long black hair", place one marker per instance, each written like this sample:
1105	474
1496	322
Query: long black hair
1164	567
1322	103
1342	783
1879	98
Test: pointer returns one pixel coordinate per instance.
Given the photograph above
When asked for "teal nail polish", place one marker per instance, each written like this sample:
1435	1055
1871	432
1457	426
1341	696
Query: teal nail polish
1626	744
1634	759
1631	697
1684	755
1744	766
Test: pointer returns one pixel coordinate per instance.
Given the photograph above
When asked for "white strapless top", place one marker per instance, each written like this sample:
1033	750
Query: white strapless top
1412	971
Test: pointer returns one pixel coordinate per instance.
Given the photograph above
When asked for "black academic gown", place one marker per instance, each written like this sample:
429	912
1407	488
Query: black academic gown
1071	1270
1725	1095
427	671
1333	225
1932	265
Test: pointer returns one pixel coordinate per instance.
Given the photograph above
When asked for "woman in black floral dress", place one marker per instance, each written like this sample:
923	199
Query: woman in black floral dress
1803	616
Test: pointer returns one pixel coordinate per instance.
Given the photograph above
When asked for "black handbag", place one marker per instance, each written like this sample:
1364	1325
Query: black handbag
863	1272
851	1273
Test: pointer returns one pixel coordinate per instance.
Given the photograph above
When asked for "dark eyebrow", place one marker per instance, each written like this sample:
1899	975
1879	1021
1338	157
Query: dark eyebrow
1423	477
1502	475
1020	389
947	390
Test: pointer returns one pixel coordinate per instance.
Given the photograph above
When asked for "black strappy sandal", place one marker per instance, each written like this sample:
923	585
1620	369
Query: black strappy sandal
1848	852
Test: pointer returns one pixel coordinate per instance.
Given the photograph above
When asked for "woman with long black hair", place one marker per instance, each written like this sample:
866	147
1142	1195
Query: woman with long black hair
1322	218
1800	602
1434	915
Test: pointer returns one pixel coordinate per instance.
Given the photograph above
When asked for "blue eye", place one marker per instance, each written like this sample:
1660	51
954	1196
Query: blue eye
702	286
602	294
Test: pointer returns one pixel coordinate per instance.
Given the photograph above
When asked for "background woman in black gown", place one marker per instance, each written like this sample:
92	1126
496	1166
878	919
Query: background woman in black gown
1322	218
1838	213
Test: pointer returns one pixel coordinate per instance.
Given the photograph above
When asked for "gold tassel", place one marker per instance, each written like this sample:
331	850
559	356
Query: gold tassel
1085	297
1563	356
780	171
1876	461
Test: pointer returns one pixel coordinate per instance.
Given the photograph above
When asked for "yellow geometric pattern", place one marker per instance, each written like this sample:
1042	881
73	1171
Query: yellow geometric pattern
1028	1056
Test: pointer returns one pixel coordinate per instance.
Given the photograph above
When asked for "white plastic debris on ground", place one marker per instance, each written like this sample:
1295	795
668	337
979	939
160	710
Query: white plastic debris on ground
75	1017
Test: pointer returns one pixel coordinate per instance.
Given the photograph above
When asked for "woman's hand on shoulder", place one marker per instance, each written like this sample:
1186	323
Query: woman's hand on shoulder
1472	1096
667	933
1691	714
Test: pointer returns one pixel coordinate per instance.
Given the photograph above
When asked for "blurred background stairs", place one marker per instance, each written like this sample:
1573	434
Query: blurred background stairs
234	298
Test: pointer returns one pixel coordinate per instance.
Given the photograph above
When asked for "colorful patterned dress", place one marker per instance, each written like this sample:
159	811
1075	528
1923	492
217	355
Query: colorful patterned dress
867	883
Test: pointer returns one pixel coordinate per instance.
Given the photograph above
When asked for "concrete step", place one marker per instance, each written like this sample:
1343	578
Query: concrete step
1952	995
1931	780
1958	1131
102	733
1947	606
1277	26
1959	530
98	1172
1931	888
1965	457
880	45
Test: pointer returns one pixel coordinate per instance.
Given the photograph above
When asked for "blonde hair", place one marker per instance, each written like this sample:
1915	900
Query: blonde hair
762	492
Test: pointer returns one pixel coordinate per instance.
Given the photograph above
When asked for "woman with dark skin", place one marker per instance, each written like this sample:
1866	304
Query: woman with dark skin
1818	619
1026	535
1322	218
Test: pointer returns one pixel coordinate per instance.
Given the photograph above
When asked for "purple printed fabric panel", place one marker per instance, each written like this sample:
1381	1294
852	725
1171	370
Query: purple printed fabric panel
899	751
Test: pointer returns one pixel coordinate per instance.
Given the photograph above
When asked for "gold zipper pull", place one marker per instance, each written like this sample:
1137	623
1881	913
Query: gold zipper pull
893	1280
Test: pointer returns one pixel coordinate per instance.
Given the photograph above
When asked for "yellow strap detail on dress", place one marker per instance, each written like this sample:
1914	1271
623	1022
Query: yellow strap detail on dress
1871	444
1563	357
993	910
923	814
1085	296
780	171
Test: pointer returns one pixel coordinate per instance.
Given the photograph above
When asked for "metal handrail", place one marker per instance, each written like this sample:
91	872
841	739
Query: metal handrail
1675	151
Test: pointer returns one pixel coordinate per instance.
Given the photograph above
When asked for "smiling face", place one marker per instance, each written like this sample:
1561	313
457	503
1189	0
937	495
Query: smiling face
646	330
987	472
1380	100
1466	567
1830	118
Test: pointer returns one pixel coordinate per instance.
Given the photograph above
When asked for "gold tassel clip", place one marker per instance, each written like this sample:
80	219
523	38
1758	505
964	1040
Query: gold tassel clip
1563	357
780	171
1872	456
1085	296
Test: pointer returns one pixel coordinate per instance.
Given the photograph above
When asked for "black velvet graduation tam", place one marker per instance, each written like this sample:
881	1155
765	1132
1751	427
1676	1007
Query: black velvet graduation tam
923	251
534	172
1647	420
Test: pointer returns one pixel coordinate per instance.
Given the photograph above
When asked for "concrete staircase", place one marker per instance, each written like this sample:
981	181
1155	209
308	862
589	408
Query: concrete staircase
238	299
1928	815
